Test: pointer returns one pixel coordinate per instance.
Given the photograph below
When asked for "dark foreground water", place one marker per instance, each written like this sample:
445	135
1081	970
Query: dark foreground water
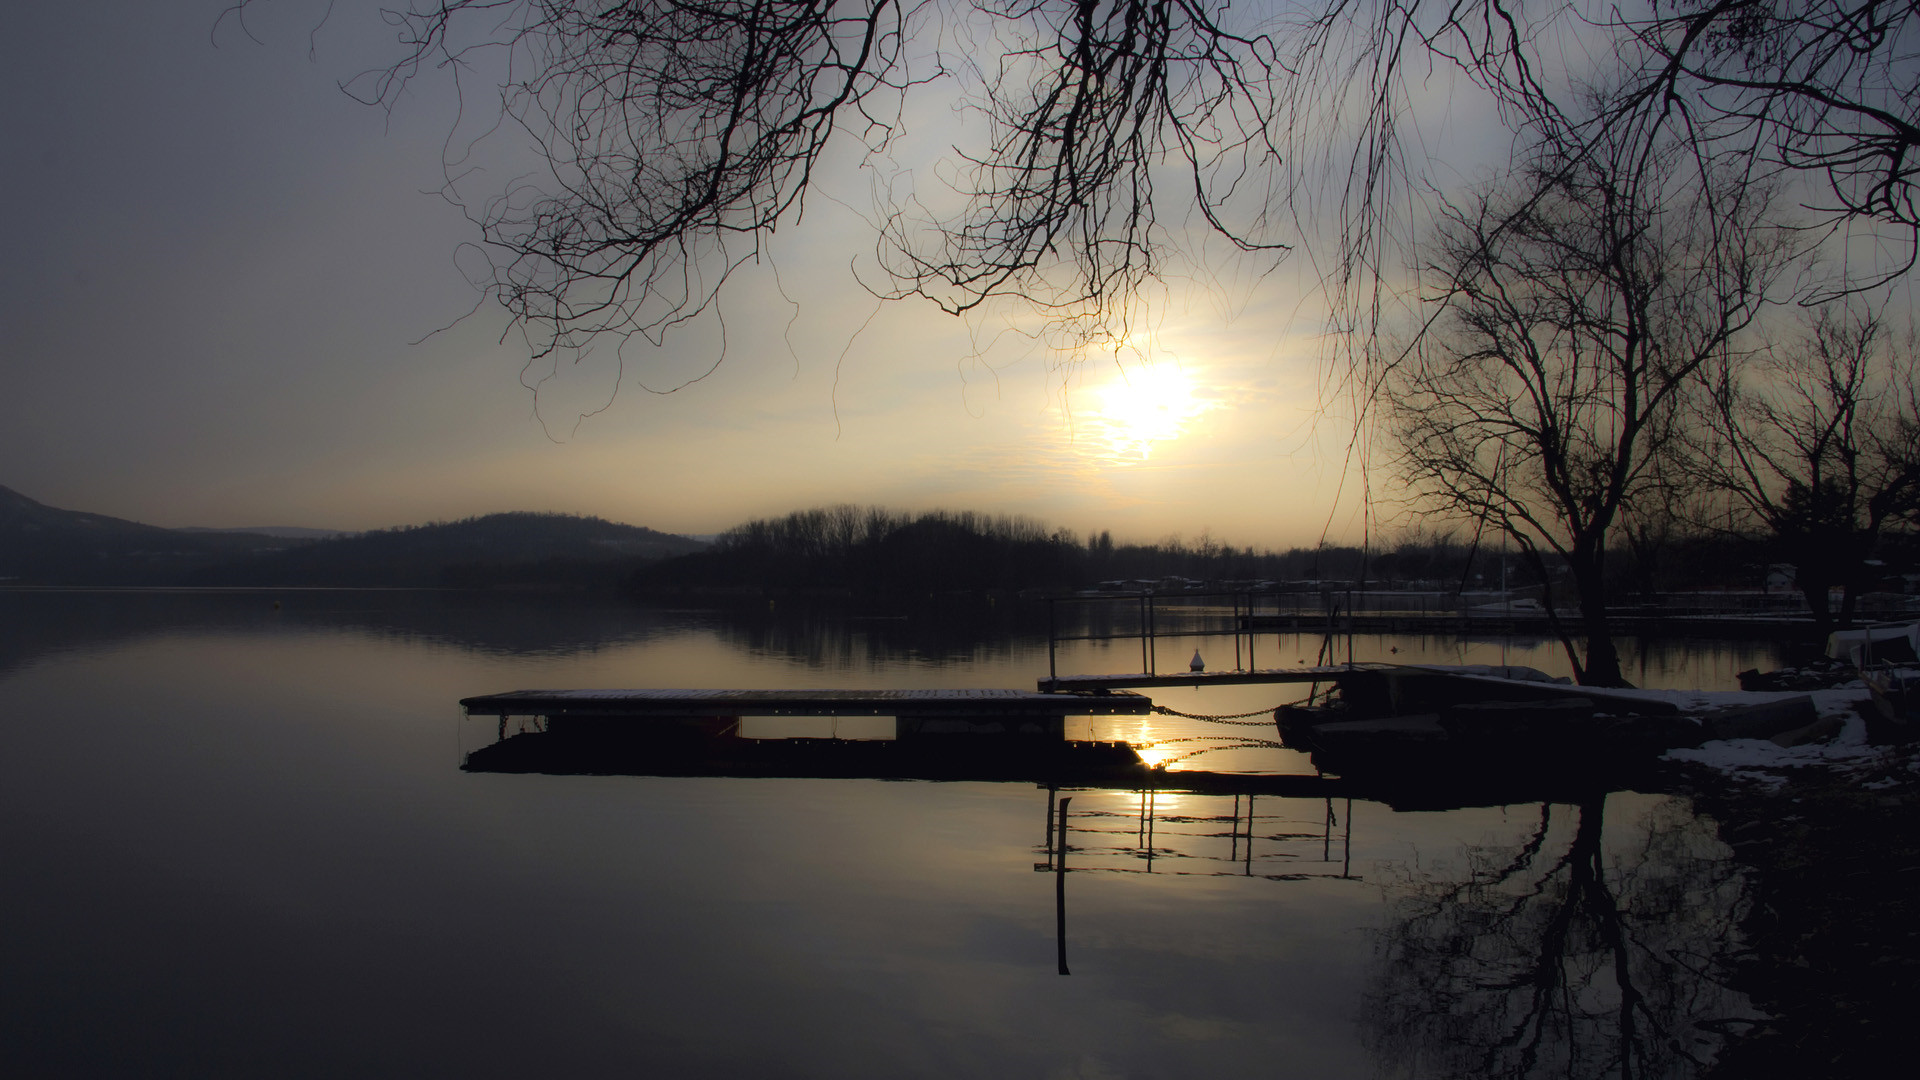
235	839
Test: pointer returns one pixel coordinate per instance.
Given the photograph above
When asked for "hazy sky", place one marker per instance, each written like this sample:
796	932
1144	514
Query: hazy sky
218	265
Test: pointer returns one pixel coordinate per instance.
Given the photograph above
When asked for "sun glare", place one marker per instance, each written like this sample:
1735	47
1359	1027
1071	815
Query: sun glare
1137	409
1157	754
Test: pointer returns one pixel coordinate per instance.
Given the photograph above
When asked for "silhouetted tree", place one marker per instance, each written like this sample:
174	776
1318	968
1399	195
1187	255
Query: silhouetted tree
1819	445
1578	304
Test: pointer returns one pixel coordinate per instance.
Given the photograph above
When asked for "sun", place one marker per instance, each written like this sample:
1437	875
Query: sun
1138	408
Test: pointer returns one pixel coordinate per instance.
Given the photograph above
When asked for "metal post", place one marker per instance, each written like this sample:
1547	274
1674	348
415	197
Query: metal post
1237	665
1349	627
1053	792
1143	633
1153	807
1153	644
1346	843
1249	856
1053	670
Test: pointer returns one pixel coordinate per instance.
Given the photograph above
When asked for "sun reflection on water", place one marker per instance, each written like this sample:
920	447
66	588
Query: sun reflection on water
1157	754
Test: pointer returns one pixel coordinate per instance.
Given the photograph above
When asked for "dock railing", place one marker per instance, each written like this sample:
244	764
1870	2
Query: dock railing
1219	613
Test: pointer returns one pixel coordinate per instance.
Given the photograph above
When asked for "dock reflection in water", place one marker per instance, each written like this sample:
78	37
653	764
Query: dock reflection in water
238	843
1174	832
1553	953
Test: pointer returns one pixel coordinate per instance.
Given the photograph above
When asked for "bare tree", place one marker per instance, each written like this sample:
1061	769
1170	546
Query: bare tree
1578	304
1826	88
1819	444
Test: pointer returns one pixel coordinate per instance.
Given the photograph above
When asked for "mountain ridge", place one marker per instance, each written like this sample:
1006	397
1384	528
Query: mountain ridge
47	545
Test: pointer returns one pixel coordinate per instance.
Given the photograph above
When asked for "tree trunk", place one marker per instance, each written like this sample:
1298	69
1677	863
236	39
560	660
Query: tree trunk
1603	659
1815	588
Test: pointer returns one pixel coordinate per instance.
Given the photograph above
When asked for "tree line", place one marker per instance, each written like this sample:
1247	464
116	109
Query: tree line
875	551
870	549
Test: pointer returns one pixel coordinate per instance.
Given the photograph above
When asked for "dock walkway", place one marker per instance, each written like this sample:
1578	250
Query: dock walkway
1024	704
1229	677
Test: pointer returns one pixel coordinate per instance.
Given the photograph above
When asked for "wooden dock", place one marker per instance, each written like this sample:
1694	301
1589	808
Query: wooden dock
1079	684
906	704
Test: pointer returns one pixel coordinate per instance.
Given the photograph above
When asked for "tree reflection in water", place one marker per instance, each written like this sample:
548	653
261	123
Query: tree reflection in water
1562	956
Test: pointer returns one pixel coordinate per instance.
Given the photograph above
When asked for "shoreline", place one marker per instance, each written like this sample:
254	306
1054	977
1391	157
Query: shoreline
1831	931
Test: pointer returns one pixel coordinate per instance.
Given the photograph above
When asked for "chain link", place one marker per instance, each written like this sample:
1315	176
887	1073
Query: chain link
1222	718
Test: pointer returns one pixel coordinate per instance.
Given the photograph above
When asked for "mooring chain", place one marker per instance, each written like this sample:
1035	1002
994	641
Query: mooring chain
1224	718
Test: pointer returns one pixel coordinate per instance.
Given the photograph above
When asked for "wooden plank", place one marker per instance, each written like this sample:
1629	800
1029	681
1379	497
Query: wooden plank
687	703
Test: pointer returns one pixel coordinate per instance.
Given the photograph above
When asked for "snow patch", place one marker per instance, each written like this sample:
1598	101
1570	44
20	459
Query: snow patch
1759	759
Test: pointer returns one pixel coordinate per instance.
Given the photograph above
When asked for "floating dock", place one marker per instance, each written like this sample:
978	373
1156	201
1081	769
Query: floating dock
682	704
1098	684
938	734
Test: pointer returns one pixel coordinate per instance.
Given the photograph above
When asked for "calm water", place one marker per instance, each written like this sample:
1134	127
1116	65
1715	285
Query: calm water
238	841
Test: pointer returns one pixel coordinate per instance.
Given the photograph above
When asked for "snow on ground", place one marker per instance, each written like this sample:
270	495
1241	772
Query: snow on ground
1761	759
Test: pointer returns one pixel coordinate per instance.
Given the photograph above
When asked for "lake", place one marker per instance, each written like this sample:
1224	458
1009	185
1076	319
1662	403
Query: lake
238	841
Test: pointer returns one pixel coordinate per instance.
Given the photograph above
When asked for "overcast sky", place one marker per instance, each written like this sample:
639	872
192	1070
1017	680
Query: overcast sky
218	267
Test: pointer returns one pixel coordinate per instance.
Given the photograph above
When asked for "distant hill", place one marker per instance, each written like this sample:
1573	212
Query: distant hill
282	532
511	549
45	545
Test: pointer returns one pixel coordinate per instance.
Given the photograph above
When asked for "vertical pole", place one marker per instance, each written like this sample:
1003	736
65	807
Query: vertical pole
1252	633
1233	851
1349	626
1143	633
1053	668
1153	643
1060	890
1237	665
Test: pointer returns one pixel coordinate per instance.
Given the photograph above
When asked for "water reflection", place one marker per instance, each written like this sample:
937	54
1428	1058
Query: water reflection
1573	949
1560	957
1184	833
238	842
824	635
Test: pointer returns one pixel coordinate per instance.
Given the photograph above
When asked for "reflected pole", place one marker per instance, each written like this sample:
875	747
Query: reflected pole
1060	888
1053	793
1249	854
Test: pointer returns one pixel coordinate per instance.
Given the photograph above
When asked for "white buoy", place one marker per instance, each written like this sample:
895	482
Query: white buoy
1197	664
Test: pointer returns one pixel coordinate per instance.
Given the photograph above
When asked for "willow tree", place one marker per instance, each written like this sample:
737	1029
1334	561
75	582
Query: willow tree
1576	307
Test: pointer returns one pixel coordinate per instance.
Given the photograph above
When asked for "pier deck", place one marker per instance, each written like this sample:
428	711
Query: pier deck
1230	677
930	704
